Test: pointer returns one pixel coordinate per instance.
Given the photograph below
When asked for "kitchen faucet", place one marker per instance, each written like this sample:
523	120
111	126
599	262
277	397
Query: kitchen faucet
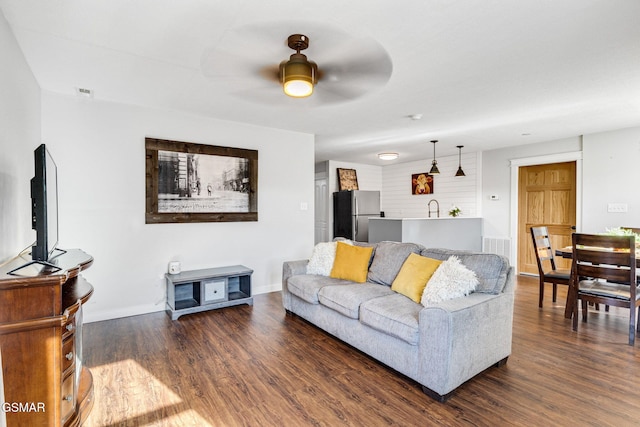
437	207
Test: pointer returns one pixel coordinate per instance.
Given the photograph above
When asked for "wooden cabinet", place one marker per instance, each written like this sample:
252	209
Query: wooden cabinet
45	382
199	290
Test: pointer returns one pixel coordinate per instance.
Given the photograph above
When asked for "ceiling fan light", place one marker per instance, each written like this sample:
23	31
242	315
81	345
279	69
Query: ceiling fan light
298	88
298	76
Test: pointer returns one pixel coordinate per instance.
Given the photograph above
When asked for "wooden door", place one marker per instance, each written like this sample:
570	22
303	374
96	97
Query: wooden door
546	196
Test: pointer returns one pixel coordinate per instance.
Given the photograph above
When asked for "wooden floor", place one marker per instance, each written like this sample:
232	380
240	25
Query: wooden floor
255	366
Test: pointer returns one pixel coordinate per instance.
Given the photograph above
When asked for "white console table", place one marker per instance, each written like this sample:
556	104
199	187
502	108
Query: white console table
210	288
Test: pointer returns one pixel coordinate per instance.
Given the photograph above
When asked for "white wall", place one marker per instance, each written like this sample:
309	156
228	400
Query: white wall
611	175
496	180
19	136
398	202
99	149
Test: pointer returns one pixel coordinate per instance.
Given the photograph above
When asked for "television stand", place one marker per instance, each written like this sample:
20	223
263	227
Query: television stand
41	341
49	267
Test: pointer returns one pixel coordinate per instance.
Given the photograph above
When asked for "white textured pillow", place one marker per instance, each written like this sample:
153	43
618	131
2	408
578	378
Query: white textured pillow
322	258
451	280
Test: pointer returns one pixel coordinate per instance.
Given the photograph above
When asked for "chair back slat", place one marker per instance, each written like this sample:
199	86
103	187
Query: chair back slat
605	257
545	254
542	248
611	274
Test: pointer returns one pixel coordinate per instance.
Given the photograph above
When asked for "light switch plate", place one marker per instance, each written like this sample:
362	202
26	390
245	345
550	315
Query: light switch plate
617	207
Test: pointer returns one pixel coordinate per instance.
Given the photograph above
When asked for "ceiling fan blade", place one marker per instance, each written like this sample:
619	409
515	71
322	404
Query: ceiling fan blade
217	63
356	67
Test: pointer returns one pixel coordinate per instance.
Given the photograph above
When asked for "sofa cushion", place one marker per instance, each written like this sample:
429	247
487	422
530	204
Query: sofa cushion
351	262
322	257
491	269
414	275
451	280
395	315
346	299
388	260
307	286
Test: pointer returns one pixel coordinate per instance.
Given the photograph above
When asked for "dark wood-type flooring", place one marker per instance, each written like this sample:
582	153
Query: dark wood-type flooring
256	366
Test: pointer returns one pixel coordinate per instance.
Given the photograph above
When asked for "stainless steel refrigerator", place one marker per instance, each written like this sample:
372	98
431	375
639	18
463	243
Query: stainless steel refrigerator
351	213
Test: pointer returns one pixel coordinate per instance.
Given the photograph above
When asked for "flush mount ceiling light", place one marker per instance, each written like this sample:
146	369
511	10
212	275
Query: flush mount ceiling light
460	171
434	164
388	156
298	75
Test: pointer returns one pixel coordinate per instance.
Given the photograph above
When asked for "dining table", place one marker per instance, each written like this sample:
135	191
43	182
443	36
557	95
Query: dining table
567	252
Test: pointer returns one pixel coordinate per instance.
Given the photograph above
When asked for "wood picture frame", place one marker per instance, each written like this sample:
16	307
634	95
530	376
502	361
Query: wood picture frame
422	183
347	179
188	182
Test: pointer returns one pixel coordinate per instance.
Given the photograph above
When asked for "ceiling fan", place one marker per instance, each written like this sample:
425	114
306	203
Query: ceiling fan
248	63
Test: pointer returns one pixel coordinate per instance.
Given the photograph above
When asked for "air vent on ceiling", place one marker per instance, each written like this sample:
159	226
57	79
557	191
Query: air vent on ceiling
84	92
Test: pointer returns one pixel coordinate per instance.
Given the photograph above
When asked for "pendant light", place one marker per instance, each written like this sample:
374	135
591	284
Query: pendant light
460	171
434	164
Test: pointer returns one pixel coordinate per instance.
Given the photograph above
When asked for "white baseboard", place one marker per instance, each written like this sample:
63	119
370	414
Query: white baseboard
266	289
90	316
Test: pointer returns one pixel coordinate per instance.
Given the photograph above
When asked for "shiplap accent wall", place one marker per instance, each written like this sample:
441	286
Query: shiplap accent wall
463	192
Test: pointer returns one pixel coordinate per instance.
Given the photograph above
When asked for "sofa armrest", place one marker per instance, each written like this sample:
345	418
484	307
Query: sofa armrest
291	268
462	337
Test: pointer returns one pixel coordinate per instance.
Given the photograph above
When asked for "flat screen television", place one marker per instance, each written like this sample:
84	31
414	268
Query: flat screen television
44	205
44	214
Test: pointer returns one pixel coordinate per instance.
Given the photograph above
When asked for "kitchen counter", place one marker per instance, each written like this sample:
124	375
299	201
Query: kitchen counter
463	233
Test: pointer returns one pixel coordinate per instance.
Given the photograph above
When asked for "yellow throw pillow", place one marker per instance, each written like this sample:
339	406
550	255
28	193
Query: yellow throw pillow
351	262
414	275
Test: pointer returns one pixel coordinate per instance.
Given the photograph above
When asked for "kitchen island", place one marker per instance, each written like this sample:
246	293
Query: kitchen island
451	233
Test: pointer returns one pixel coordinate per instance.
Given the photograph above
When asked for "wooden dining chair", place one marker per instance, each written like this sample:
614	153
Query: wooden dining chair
547	271
604	271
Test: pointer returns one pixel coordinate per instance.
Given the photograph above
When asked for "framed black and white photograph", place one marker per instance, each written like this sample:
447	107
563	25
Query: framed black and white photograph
187	182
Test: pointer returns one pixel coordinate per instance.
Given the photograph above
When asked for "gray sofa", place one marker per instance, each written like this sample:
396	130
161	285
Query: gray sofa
439	346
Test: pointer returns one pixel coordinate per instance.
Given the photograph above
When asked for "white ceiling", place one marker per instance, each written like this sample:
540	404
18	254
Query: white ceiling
481	72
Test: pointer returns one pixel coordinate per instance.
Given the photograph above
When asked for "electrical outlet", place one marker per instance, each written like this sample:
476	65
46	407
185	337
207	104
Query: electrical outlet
617	207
